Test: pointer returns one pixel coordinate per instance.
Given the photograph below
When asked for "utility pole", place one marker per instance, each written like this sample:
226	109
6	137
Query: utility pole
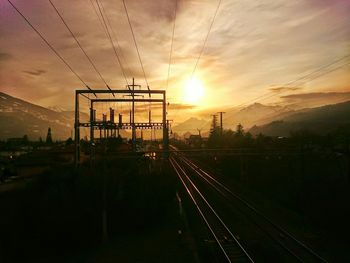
132	115
221	124
168	124
214	124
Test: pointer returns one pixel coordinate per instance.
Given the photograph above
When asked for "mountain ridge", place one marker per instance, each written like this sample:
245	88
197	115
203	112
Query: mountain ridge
276	120
320	120
19	117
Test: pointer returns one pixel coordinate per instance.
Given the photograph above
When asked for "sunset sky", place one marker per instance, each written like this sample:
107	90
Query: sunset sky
254	48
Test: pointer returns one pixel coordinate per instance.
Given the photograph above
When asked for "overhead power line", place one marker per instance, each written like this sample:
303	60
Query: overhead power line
112	43
317	70
327	72
78	43
303	77
122	58
49	45
311	79
308	77
106	33
171	45
204	45
135	43
206	39
96	13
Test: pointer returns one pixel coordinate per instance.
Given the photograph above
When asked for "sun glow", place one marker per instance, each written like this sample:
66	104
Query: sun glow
193	91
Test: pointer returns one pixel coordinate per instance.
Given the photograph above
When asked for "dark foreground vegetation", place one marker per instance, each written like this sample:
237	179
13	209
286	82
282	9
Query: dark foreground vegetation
58	215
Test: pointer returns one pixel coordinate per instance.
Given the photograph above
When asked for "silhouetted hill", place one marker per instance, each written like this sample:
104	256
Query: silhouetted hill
191	125
319	120
18	117
253	114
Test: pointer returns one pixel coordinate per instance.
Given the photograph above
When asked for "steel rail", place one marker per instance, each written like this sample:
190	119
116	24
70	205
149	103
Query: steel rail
178	167
204	174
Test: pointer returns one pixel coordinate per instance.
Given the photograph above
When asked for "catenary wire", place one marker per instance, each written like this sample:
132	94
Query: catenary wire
78	43
96	13
206	39
127	70
49	45
171	46
135	43
112	43
311	79
204	45
296	80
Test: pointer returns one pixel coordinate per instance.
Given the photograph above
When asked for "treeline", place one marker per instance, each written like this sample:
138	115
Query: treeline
339	139
24	142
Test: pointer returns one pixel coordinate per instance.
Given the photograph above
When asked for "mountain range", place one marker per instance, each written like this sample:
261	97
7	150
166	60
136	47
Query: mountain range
254	114
19	118
320	120
249	116
276	120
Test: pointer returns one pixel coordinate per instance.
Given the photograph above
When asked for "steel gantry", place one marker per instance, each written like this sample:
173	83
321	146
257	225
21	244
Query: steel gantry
128	96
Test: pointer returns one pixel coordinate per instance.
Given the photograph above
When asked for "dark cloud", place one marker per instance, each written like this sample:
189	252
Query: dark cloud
317	95
37	72
5	56
78	35
172	106
315	99
283	89
180	106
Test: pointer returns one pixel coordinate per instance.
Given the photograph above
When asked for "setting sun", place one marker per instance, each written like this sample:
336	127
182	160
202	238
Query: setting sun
193	91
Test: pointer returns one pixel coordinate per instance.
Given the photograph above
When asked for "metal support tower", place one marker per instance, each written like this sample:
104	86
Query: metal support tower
136	96
221	124
133	136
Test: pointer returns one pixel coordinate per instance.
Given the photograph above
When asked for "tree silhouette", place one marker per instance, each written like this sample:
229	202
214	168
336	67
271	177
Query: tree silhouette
49	136
239	130
25	139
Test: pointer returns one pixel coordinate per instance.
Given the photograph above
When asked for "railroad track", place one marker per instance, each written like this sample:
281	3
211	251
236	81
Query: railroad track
232	249
297	250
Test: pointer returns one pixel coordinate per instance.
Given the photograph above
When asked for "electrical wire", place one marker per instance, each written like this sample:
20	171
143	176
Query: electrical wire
114	35
171	46
78	43
317	70
204	45
105	30
206	39
96	13
325	73
112	43
316	77
306	76
303	77
50	46
135	43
